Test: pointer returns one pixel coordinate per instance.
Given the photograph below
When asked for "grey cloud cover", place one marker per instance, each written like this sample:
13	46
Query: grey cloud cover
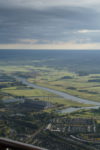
49	21
47	3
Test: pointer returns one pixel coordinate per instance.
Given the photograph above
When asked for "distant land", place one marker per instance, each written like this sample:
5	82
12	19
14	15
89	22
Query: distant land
51	98
73	60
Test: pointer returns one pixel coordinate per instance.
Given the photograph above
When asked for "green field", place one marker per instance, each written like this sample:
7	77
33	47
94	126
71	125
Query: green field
79	86
62	80
92	113
42	95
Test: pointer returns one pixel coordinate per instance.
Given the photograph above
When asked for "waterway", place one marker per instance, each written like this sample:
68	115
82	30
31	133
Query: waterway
64	95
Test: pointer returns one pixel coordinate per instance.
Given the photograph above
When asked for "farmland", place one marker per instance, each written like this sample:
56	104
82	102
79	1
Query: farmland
28	108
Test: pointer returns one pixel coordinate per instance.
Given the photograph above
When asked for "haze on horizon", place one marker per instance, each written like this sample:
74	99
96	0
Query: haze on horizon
45	24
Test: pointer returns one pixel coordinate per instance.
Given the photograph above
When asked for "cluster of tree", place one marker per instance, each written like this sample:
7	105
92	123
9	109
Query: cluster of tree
94	80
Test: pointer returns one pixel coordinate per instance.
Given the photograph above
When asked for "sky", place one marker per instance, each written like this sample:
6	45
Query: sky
49	24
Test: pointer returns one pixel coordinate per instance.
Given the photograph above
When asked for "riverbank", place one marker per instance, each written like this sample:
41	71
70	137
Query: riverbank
62	94
66	96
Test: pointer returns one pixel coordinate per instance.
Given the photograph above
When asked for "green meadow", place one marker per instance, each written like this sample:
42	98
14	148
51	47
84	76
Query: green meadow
59	79
80	86
41	95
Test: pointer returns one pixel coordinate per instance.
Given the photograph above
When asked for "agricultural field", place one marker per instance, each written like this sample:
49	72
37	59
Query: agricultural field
83	86
90	113
14	89
27	107
81	83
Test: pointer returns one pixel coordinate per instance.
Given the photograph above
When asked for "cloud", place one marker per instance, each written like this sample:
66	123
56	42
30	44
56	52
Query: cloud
67	45
40	4
48	22
55	23
28	41
88	31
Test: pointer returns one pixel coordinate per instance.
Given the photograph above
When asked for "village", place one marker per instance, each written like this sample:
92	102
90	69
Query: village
72	125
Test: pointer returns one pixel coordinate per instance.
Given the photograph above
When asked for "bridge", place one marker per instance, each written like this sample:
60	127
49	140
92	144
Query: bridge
6	144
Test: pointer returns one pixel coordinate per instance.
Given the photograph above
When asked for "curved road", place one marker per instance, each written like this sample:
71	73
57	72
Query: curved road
62	94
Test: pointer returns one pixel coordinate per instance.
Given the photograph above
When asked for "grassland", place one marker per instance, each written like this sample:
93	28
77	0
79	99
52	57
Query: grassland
11	69
71	83
92	113
62	80
24	92
41	95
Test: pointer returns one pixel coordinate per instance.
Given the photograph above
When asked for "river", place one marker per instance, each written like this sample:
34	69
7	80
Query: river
63	95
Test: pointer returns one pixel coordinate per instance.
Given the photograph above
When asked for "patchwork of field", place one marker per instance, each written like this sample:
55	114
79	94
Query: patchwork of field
11	88
87	87
40	95
91	113
26	110
77	84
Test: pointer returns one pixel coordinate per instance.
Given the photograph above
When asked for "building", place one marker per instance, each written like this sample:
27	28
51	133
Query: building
72	125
